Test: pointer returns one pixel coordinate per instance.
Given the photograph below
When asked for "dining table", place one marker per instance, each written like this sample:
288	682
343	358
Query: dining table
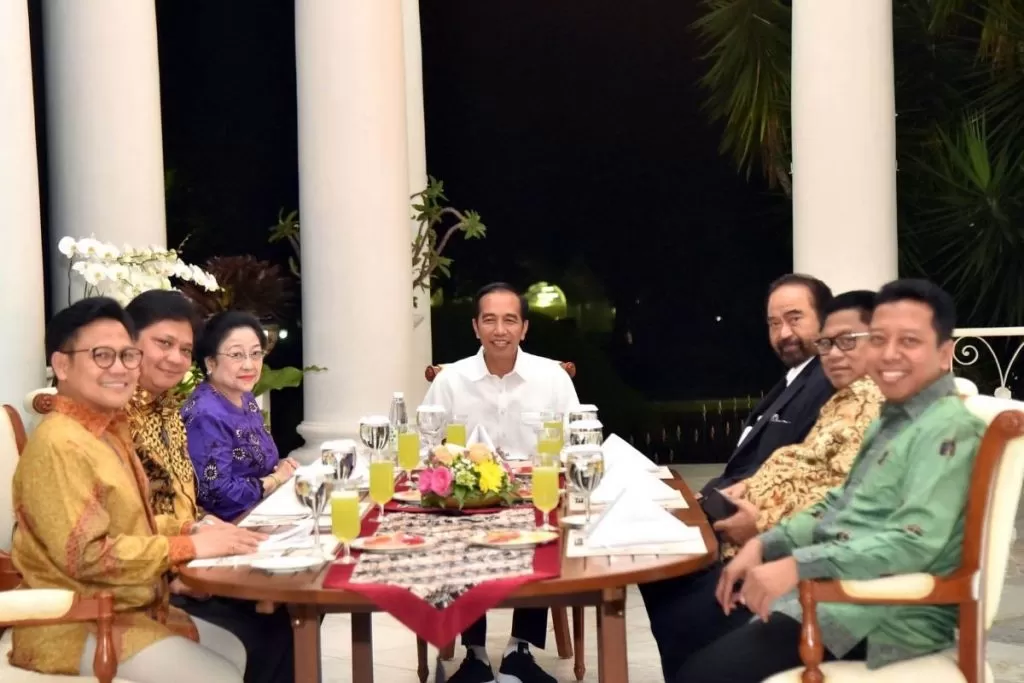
595	581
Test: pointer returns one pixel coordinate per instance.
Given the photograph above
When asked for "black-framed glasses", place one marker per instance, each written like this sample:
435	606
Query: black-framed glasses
843	342
241	356
104	356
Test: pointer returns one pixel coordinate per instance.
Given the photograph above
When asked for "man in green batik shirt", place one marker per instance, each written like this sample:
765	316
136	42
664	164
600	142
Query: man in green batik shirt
900	511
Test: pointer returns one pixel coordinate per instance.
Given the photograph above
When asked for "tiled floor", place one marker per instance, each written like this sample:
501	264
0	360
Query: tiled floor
395	646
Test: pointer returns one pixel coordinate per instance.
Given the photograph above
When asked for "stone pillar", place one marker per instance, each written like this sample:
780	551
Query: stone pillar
103	122
422	350
844	142
23	362
354	203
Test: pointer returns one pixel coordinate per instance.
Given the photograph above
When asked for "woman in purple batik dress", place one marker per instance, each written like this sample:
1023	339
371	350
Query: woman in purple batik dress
235	458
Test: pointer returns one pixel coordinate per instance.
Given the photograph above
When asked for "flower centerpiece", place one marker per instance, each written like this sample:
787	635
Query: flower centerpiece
456	477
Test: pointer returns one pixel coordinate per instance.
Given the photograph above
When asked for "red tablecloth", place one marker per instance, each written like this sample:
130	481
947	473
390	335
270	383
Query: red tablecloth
441	626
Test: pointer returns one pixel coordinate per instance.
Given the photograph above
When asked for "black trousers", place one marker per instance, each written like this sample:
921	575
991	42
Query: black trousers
529	624
752	653
686	617
269	648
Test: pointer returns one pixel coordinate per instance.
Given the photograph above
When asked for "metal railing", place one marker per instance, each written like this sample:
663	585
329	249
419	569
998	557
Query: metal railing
970	361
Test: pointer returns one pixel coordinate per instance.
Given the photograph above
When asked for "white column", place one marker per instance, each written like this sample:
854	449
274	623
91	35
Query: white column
844	142
422	350
353	199
103	122
22	363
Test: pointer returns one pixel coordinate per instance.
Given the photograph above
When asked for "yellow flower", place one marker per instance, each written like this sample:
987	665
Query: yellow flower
491	476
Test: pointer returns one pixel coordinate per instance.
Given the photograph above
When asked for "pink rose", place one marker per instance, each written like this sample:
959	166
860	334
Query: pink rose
441	482
426	479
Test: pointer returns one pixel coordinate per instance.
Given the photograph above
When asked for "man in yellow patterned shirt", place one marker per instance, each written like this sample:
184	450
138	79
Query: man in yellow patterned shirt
83	521
684	613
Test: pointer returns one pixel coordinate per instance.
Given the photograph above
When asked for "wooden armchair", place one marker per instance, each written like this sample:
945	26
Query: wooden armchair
976	586
565	645
41	606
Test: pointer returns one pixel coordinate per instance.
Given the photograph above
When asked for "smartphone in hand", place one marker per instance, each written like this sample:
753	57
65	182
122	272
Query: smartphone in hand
717	507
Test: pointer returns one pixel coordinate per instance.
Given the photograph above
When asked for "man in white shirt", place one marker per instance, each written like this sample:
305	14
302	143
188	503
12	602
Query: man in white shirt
494	389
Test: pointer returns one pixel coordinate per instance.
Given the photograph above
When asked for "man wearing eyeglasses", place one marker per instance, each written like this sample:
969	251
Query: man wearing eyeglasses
793	478
84	523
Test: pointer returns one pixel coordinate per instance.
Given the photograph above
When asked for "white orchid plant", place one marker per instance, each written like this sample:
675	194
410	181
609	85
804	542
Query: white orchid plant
124	273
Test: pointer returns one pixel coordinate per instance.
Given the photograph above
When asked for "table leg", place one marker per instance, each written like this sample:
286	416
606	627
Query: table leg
362	647
306	632
612	663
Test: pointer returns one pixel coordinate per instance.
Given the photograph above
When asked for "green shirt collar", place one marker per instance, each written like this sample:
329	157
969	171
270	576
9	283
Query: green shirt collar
916	405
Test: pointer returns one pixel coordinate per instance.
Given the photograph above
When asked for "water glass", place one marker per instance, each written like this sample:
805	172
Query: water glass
431	421
584	469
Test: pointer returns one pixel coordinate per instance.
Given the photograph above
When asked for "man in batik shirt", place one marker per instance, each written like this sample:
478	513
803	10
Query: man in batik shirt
899	512
84	524
684	613
166	322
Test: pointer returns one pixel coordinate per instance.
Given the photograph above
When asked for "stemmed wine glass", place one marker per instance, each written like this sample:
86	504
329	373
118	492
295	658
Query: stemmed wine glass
431	421
339	458
312	490
375	433
545	475
584	467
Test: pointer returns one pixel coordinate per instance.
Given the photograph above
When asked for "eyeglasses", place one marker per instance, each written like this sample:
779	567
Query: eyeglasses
241	357
843	342
104	356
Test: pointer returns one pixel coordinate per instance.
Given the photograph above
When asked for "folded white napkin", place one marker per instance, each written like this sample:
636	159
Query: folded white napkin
634	519
298	535
282	502
636	481
618	452
480	435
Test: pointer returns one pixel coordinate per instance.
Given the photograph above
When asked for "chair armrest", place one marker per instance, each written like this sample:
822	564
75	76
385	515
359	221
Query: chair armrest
47	606
903	589
40	401
35	606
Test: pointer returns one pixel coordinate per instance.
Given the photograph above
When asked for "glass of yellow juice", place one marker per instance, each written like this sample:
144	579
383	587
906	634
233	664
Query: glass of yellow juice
545	492
553	421
549	446
408	453
382	480
345	520
456	431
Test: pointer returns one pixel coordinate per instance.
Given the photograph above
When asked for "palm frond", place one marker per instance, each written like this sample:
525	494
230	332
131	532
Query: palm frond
748	81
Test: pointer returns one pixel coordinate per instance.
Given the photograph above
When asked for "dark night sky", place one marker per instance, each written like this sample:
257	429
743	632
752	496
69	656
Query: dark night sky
574	128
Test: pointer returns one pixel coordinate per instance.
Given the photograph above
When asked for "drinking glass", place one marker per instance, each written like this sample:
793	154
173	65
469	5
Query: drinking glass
553	420
345	520
584	469
339	459
549	446
312	490
382	480
545	487
456	433
408	452
586	432
587	411
431	421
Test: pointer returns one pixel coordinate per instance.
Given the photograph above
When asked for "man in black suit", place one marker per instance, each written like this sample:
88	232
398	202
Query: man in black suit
795	304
